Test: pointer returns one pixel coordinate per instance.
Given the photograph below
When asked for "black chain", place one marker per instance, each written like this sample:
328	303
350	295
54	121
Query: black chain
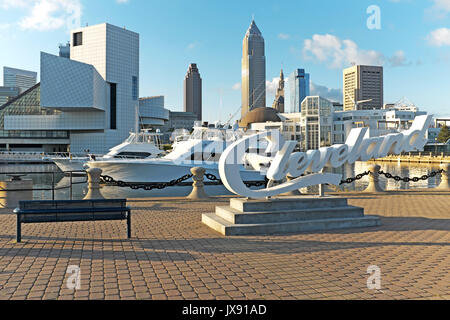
249	184
146	186
415	179
358	177
162	185
212	177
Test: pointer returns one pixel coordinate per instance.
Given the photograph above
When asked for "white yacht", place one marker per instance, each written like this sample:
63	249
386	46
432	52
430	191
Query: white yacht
143	145
202	149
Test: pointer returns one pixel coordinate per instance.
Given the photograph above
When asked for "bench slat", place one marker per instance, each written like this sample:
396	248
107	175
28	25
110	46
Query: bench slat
53	204
72	210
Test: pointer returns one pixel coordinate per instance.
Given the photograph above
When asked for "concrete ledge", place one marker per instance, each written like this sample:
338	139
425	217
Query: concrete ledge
229	229
286	203
234	216
286	215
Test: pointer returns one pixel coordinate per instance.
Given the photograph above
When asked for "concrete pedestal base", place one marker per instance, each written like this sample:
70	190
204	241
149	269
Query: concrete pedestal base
287	215
10	198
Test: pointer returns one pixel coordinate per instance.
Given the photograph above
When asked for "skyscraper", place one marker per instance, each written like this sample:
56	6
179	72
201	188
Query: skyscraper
253	70
192	91
298	88
19	78
278	103
363	83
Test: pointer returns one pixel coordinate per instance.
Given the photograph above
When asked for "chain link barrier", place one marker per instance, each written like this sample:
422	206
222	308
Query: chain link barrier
249	184
358	177
414	179
211	177
396	178
145	186
150	186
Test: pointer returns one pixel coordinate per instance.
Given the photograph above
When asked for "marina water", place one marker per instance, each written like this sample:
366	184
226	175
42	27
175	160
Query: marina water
79	187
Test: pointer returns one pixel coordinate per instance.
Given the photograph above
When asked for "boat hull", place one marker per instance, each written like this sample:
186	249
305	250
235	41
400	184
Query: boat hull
71	165
161	171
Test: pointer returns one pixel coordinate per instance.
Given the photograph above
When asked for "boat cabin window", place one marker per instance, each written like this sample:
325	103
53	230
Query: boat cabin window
144	137
133	155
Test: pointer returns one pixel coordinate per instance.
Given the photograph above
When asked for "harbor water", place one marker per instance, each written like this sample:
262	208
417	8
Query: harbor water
79	186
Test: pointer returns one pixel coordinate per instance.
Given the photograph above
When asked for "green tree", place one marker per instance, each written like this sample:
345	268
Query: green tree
444	135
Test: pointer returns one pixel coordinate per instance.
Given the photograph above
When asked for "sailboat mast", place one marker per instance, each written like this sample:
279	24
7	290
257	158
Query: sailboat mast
136	125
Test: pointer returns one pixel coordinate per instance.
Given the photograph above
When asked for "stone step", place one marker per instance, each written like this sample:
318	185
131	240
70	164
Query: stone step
228	229
286	203
234	216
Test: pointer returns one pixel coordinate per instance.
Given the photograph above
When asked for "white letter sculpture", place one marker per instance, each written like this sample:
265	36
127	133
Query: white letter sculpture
359	146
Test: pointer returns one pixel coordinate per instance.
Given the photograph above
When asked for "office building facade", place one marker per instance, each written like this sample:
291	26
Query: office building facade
6	93
299	89
152	114
380	122
312	128
22	79
253	70
316	123
192	91
92	97
363	83
180	120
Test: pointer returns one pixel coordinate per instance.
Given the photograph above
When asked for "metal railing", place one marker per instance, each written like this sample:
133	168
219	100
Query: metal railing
53	187
425	154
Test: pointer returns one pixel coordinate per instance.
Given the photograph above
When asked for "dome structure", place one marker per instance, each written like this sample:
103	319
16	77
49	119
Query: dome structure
261	114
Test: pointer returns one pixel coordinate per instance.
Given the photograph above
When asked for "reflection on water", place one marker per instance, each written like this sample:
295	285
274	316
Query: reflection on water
396	169
79	189
43	177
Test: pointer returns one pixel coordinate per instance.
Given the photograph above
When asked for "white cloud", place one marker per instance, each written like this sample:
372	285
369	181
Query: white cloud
283	36
439	10
44	15
439	37
237	86
192	45
331	94
399	59
122	1
6	4
271	86
4	26
338	53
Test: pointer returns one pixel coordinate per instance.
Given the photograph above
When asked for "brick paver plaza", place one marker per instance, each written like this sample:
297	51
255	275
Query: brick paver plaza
174	256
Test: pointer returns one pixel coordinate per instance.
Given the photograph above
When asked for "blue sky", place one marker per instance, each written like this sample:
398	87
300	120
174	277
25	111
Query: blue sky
413	43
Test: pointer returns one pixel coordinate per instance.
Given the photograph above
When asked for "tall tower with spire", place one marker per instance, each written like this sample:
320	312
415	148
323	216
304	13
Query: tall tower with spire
278	103
192	91
253	70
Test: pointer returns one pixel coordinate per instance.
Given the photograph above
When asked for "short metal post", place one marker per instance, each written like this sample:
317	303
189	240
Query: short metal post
374	181
53	186
198	190
321	190
445	177
129	224
70	188
94	177
19	229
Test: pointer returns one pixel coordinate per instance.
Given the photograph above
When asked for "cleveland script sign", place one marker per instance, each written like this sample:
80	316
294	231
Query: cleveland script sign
358	147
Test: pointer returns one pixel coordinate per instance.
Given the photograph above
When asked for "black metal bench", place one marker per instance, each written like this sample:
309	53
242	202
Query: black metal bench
72	211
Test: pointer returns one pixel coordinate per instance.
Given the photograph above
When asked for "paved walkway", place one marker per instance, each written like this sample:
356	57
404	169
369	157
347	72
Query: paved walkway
173	256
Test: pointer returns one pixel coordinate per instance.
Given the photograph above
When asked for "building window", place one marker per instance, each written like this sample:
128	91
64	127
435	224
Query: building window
77	39
135	88
113	106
